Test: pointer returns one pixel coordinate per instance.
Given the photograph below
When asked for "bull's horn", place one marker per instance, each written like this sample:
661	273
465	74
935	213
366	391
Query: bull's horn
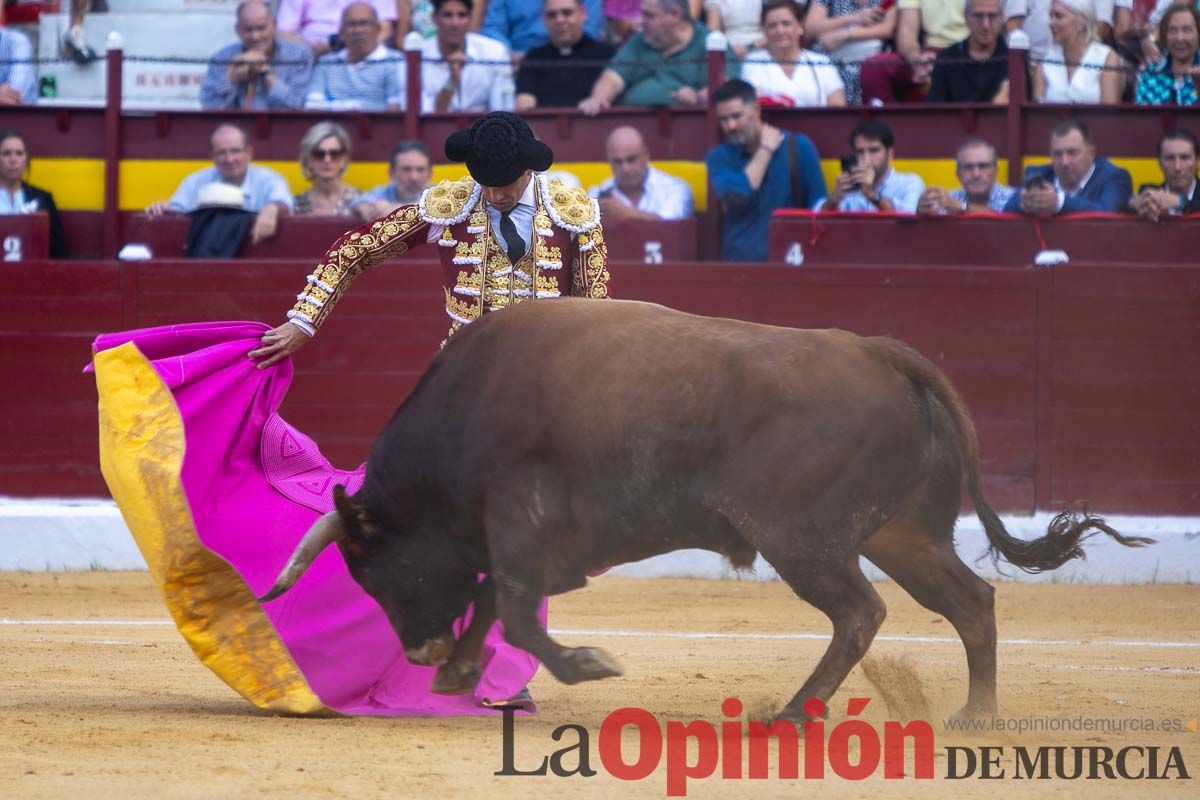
324	532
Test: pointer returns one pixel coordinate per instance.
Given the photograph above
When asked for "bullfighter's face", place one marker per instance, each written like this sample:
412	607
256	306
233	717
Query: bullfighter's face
421	585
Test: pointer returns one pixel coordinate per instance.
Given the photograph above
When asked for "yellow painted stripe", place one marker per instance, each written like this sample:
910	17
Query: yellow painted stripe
141	457
78	183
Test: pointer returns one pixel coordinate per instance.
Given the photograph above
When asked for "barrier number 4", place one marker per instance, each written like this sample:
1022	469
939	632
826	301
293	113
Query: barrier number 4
794	254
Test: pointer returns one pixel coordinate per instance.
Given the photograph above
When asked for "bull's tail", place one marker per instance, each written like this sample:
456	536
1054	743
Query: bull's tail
1066	532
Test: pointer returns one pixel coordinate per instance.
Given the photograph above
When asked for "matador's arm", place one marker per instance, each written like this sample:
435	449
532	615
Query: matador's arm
365	246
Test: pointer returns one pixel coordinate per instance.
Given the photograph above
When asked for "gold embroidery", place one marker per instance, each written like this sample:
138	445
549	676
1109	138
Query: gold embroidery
445	202
572	205
461	310
471	282
547	285
547	254
468	252
362	248
589	268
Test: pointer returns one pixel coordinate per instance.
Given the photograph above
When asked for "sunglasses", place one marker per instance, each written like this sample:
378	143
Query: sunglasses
321	154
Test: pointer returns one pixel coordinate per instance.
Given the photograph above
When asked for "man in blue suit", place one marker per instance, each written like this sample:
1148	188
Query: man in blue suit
1074	181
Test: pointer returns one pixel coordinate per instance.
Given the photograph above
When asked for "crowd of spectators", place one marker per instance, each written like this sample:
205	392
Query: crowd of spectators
483	55
337	55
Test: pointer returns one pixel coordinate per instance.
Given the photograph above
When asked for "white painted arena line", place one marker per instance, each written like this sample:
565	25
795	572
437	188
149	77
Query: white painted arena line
716	635
824	637
693	635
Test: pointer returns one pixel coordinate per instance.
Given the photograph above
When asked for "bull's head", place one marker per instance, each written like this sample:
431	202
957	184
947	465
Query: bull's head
418	577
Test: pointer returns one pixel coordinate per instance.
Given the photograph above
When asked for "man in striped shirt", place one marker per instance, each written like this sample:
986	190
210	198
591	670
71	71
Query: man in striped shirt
364	76
17	84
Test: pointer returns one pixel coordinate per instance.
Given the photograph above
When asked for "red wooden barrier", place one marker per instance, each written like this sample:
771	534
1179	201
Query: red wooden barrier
309	238
24	237
1082	379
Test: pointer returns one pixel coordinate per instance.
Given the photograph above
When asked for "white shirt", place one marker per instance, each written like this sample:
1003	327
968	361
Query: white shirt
521	215
483	87
740	20
1083	86
663	195
1036	23
16	204
813	77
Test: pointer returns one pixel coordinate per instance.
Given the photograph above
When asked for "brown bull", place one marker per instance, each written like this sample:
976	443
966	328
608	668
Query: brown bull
557	438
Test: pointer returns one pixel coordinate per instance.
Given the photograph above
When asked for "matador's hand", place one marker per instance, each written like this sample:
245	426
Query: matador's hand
278	344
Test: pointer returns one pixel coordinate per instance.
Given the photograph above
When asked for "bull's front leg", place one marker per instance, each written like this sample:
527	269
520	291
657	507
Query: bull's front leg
518	601
461	672
527	531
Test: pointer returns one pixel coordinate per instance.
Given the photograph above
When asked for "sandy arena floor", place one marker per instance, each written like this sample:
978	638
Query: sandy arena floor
112	710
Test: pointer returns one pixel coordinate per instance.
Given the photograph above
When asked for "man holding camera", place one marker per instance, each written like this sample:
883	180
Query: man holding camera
261	71
1075	180
868	183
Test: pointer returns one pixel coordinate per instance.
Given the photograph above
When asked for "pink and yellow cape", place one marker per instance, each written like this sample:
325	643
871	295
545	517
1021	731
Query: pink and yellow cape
217	490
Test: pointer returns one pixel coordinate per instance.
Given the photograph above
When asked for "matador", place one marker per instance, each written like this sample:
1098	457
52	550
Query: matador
505	234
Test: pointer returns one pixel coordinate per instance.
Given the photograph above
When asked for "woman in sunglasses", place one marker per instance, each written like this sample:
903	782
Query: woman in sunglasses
324	158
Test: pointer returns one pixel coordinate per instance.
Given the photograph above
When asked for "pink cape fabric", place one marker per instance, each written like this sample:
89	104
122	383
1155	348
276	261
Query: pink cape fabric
254	485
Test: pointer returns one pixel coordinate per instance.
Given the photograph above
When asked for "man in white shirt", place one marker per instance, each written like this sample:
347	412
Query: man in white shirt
1033	17
264	190
463	71
637	190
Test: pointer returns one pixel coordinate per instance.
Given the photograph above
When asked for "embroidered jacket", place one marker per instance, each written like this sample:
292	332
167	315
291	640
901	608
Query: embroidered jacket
567	257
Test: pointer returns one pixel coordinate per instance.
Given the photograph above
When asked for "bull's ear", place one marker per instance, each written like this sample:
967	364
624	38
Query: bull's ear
358	522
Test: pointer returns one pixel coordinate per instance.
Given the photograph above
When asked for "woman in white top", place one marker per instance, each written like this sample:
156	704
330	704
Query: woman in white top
740	20
786	74
1077	69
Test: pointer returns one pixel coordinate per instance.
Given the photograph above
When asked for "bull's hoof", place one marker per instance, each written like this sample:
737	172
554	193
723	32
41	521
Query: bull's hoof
455	678
588	664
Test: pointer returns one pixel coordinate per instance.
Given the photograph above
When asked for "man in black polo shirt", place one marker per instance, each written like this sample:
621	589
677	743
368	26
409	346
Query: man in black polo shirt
561	73
974	70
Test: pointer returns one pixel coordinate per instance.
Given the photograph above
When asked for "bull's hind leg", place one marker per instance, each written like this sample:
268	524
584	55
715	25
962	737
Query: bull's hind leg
927	568
852	605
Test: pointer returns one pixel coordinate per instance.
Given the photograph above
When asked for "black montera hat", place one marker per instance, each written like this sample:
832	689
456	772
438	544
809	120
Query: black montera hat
498	149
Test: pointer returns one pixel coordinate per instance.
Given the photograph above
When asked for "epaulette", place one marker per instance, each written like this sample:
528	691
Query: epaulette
449	202
569	207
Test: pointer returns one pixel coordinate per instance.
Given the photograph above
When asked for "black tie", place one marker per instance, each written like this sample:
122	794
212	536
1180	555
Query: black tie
516	245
